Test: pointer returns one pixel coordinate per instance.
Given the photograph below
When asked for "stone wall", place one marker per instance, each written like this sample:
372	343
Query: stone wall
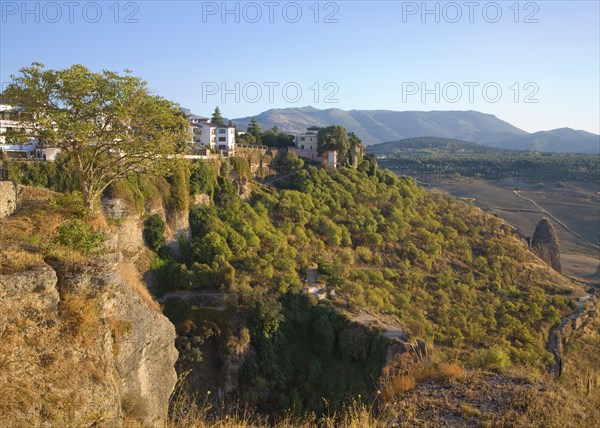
259	158
561	335
8	198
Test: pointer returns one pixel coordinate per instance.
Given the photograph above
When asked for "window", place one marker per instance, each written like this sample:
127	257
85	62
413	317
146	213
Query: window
222	139
222	131
302	138
302	147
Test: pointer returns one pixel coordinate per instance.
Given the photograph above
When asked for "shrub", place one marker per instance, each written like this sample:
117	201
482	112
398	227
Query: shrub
290	162
203	179
154	232
189	348
180	187
240	166
206	249
493	358
451	371
79	236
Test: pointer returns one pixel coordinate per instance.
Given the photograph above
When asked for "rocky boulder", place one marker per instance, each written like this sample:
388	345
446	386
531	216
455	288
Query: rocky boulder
544	244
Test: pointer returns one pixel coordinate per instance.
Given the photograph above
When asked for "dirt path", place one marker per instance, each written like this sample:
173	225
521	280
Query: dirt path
391	331
201	297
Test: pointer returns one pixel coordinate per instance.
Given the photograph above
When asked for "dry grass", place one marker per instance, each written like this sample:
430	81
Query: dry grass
581	371
98	222
410	371
132	277
17	260
487	400
46	369
119	329
451	371
81	318
187	413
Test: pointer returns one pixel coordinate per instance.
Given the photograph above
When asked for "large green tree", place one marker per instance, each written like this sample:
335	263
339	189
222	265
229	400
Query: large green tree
254	130
216	117
107	124
334	138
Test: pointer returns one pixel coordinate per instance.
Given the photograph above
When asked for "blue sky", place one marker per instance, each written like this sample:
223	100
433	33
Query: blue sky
539	73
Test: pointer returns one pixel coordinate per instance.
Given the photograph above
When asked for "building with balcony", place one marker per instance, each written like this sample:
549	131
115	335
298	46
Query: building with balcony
210	138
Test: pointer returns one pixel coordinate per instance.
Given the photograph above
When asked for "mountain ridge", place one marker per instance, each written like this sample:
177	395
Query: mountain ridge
380	126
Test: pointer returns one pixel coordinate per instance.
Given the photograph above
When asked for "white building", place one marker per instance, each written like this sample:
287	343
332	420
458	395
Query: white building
209	137
32	149
306	146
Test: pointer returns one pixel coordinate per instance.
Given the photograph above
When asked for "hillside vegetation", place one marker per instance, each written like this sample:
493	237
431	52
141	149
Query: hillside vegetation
451	274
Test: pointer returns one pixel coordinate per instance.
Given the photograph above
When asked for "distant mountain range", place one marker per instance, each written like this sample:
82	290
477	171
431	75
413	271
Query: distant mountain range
557	140
378	126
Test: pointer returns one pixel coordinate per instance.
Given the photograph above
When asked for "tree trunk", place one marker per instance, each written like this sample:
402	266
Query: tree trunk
89	197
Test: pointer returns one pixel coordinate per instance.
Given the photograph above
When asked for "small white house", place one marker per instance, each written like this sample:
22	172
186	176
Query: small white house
220	139
209	137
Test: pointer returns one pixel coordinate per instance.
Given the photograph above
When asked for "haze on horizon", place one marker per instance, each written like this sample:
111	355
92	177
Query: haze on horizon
532	64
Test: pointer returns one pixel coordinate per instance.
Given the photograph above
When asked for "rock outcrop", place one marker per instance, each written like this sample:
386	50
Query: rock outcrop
8	198
544	244
81	347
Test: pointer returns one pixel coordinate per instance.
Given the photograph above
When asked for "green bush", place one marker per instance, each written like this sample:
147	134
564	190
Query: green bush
290	162
154	232
211	246
180	186
493	358
203	179
79	236
240	166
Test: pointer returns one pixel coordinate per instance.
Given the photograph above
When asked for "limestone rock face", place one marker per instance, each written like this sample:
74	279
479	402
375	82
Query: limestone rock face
8	198
126	242
82	348
145	353
544	244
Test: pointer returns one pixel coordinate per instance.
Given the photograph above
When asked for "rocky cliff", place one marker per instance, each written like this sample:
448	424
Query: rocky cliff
84	344
81	347
8	198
